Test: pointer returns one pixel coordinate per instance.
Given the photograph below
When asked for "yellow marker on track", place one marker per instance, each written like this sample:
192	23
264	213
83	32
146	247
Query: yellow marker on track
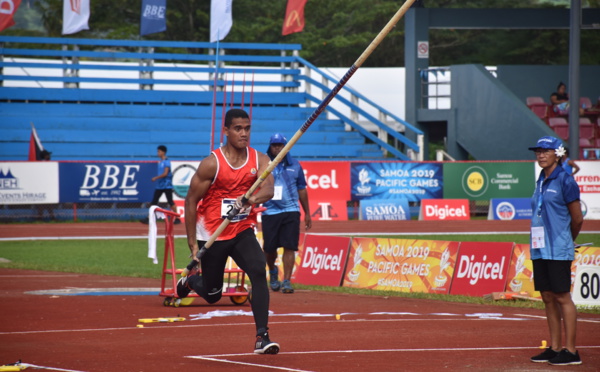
161	320
544	344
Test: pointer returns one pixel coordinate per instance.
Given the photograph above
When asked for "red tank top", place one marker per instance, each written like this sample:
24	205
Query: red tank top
228	184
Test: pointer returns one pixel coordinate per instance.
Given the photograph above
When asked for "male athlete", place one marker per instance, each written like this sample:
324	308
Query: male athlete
220	182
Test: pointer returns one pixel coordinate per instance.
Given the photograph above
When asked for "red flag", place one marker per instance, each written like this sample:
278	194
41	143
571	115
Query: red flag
35	145
294	17
8	8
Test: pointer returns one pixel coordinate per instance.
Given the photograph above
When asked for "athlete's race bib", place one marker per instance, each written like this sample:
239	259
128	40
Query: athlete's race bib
227	206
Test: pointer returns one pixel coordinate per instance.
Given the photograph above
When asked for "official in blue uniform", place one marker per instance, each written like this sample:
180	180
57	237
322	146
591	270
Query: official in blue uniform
556	222
281	220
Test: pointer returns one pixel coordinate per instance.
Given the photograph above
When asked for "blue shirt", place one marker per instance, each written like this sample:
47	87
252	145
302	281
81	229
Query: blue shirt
566	166
165	182
549	206
289	176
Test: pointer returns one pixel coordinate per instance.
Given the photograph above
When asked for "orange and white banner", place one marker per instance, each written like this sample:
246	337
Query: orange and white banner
404	265
76	14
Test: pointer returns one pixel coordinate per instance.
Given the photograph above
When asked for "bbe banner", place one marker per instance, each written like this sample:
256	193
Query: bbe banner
106	182
510	209
404	265
322	260
383	180
28	182
444	209
481	268
384	210
484	181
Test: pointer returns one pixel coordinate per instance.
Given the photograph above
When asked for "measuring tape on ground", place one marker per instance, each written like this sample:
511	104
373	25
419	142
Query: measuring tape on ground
586	290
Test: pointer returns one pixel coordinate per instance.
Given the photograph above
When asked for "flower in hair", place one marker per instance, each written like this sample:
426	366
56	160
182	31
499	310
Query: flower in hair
560	151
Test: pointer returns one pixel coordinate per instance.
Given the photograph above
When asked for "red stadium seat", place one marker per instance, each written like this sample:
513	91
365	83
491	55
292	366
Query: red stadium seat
585	102
540	108
557	121
586	129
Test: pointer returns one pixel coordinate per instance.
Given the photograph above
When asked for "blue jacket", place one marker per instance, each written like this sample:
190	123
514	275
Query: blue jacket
289	178
549	206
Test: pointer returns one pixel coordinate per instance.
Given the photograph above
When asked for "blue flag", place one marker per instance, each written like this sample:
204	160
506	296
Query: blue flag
154	18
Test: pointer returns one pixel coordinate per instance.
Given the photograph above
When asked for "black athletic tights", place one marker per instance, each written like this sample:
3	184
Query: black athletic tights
248	255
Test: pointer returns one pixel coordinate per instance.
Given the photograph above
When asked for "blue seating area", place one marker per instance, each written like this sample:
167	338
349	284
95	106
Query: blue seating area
110	100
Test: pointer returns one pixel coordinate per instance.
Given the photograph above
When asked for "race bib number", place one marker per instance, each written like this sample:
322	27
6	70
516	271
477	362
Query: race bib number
538	237
277	192
227	206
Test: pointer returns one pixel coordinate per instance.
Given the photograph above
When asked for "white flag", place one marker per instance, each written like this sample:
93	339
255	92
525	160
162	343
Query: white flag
220	19
76	14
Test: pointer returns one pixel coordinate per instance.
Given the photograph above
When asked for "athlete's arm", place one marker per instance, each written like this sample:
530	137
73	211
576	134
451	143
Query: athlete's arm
199	185
265	191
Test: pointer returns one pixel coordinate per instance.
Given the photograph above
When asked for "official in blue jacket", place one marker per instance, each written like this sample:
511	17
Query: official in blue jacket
555	223
281	220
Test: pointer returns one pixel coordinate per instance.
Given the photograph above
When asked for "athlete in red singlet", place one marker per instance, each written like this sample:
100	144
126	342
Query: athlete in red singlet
220	182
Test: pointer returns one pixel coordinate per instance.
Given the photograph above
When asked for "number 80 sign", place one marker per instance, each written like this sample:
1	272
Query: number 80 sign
586	290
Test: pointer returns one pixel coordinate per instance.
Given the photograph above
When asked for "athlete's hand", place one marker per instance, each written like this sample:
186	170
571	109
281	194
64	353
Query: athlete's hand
239	203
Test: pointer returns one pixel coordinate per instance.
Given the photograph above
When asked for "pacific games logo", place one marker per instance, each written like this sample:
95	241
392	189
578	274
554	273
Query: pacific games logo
506	211
475	181
363	178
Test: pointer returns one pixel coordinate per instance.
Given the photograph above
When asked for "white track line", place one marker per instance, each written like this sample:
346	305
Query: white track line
49	368
248	364
159	326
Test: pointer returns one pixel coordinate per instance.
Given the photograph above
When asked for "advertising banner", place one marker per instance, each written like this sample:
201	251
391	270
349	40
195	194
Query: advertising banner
33	182
327	180
384	210
520	272
488	180
326	210
394	180
404	265
588	179
444	209
510	209
108	182
481	268
322	260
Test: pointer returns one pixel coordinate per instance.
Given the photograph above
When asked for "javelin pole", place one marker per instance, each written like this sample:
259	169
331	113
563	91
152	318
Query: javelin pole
366	53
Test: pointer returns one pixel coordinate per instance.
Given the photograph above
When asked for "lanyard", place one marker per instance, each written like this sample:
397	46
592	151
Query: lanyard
540	200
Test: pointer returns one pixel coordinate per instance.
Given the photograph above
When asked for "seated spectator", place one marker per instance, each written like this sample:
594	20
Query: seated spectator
560	100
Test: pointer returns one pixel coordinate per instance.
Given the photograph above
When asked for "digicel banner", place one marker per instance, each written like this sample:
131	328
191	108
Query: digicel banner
327	180
323	260
444	209
481	268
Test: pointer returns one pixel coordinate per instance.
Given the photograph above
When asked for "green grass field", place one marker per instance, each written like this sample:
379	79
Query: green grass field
128	257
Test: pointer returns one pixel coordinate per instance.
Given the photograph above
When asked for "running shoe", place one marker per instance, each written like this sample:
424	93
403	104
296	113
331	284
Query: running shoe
565	358
183	285
545	356
286	287
264	345
274	280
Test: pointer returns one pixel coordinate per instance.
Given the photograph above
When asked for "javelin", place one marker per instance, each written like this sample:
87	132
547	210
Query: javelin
365	54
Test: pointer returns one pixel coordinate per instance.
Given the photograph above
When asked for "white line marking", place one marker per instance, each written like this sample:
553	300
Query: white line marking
49	368
83	237
248	364
543	317
389	351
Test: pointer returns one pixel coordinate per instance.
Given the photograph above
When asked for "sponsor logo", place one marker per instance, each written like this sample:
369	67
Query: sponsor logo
505	211
109	181
321	261
8	181
475	181
154	12
182	175
363	178
475	270
445	211
323	181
